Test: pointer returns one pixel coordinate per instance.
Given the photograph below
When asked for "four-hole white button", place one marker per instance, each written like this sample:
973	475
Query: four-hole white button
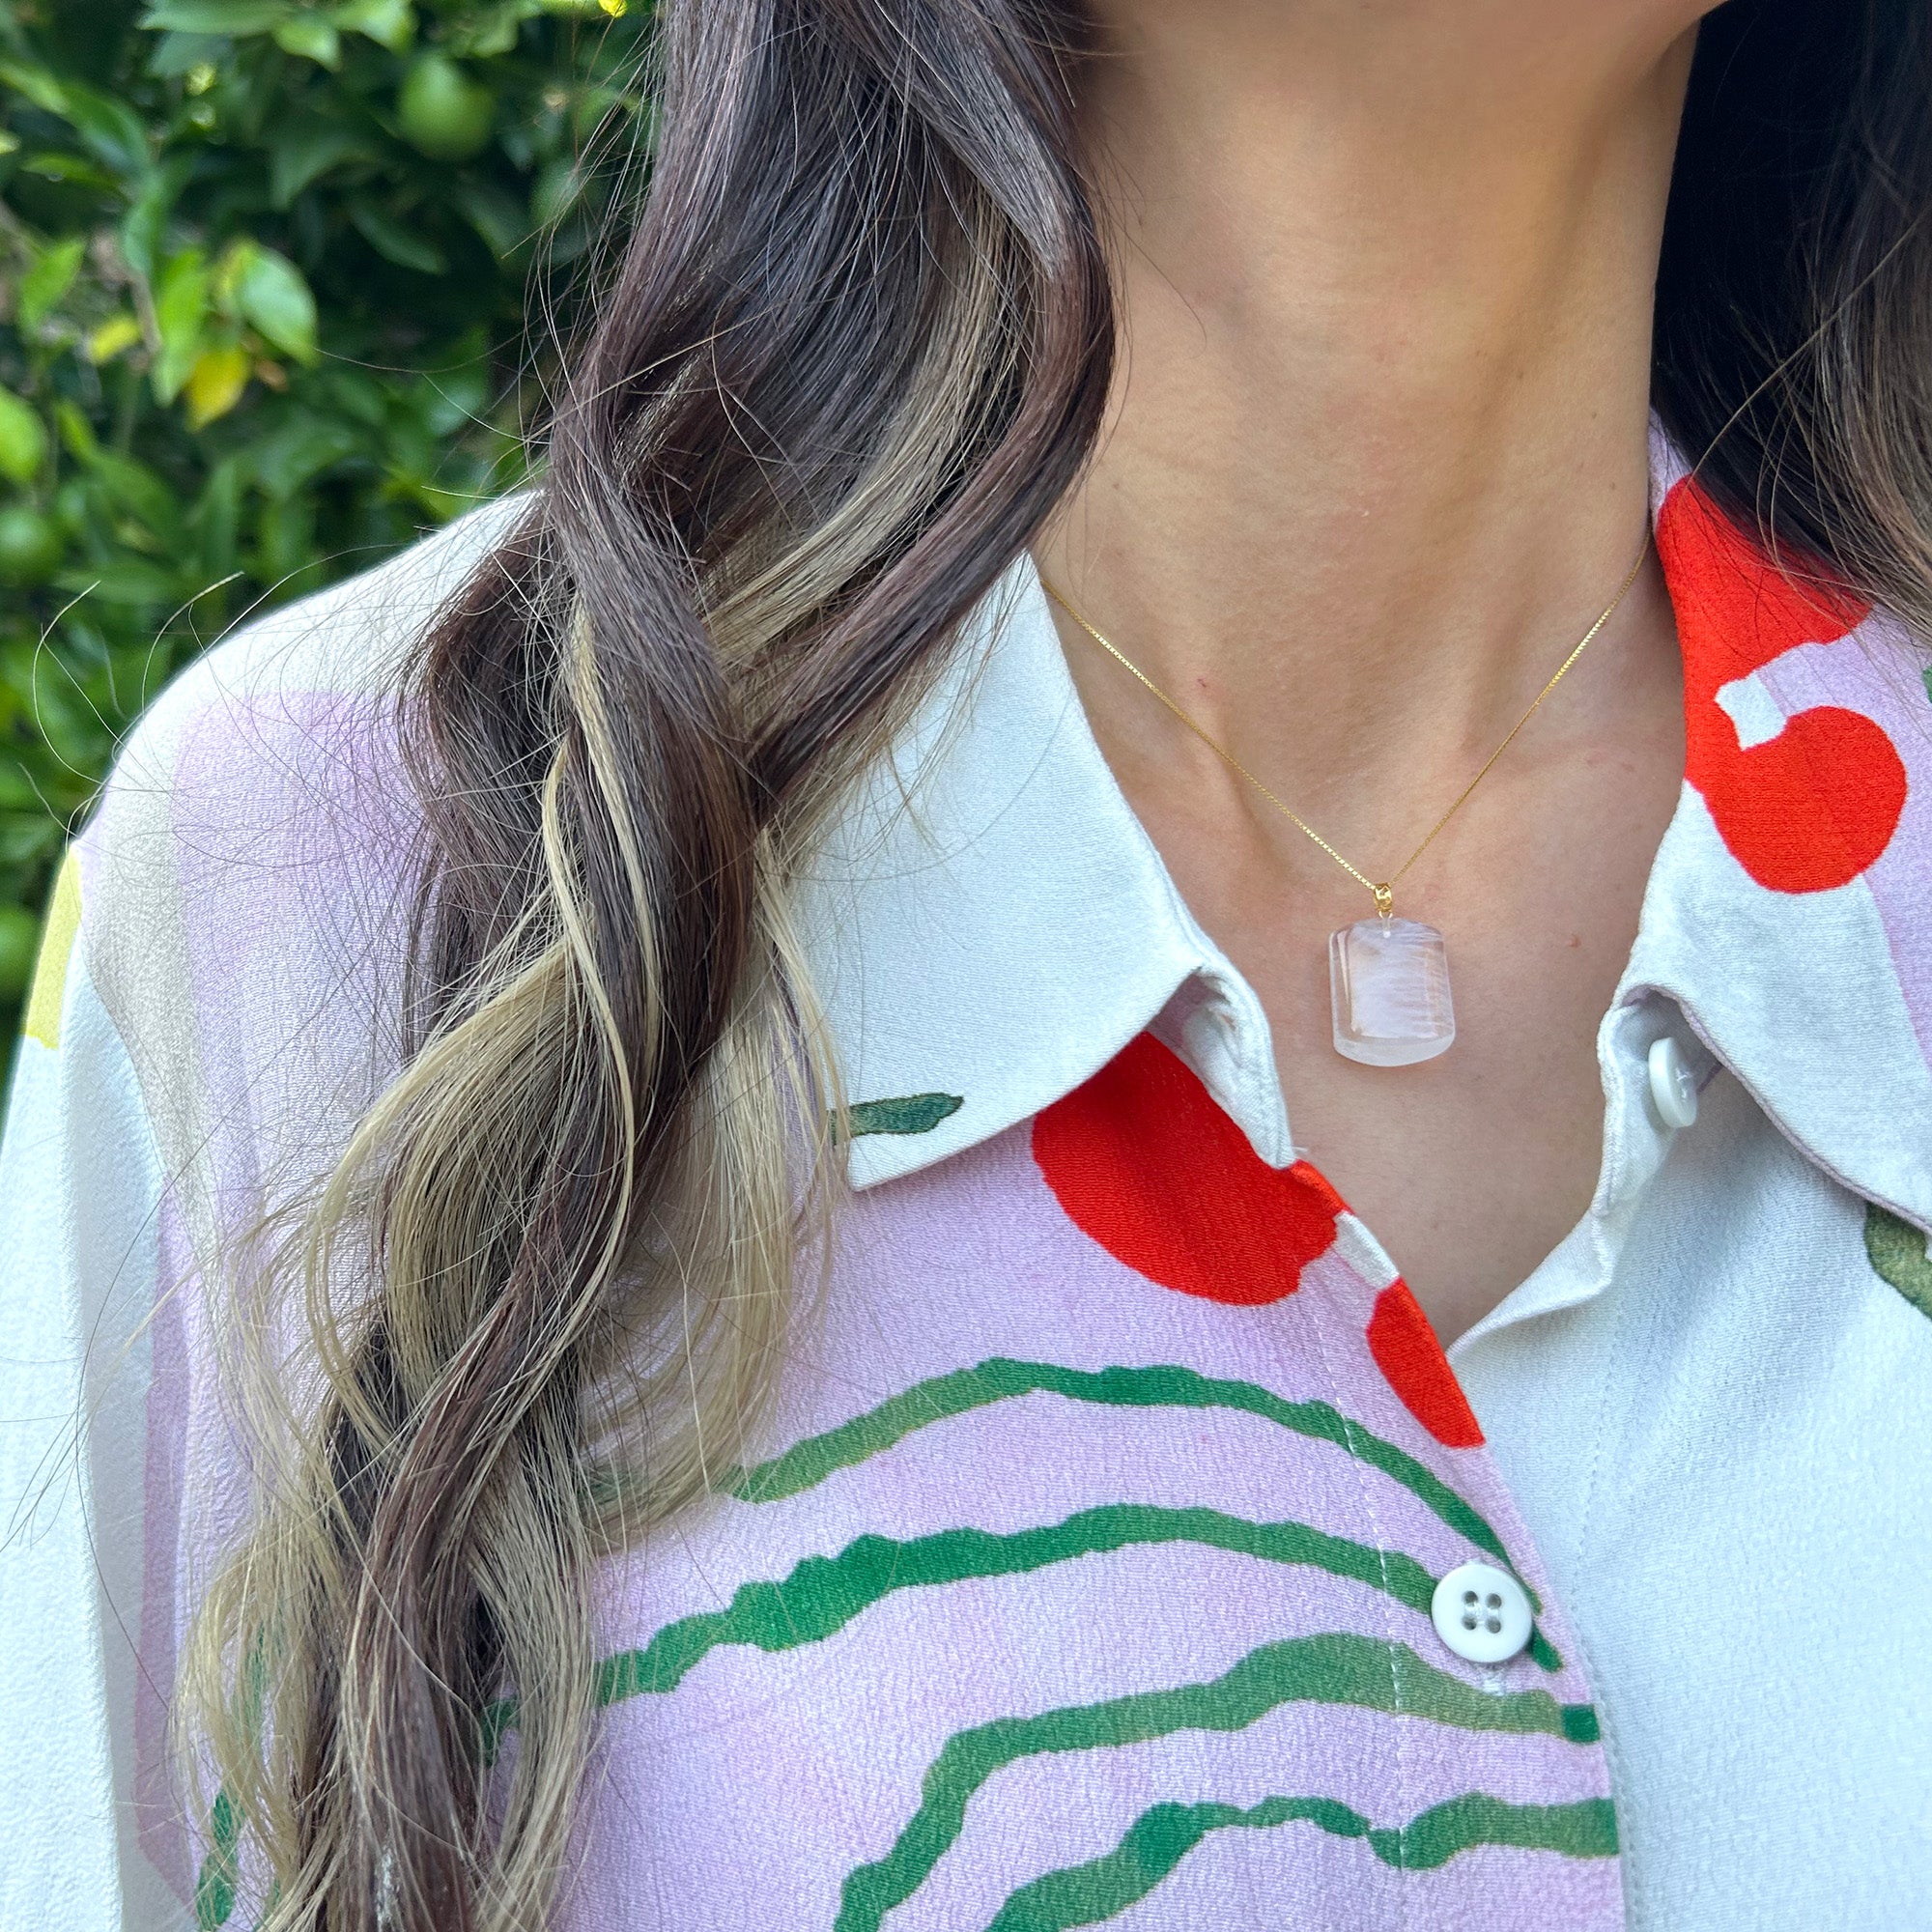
1673	1086
1481	1613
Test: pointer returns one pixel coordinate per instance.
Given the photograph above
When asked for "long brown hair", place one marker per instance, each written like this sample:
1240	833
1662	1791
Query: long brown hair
858	347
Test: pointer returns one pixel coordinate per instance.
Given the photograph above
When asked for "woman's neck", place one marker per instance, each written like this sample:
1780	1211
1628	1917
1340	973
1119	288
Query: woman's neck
1376	449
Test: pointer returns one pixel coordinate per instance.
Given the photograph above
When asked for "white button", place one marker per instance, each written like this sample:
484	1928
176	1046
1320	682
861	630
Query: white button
1481	1613
1673	1086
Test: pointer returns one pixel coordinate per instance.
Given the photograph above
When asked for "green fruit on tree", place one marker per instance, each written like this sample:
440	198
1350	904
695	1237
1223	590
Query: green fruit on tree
442	112
20	941
30	547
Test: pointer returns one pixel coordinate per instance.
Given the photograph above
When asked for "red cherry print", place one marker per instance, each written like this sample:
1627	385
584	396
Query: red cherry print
1407	1351
1814	807
1144	1163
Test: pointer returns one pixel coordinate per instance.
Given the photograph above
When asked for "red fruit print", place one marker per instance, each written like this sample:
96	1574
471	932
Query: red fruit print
1407	1351
1146	1164
1814	807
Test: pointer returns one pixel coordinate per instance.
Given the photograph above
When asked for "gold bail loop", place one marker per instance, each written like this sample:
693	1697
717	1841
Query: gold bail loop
1384	900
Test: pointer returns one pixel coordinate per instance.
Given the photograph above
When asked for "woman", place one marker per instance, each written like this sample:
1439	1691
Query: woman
691	1147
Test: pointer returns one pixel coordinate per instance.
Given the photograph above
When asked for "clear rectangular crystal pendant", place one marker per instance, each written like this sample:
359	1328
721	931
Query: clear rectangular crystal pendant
1388	980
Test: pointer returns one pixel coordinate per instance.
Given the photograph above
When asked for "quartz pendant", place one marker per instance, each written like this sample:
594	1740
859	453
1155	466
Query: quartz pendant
1388	980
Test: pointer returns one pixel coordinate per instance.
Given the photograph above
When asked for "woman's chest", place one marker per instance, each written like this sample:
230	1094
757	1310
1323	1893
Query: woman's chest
1093	1574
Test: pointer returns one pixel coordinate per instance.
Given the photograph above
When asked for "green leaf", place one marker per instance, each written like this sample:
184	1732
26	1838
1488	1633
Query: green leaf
76	433
217	518
1897	1251
124	580
491	33
389	23
394	243
441	505
24	438
359	396
504	222
177	54
276	302
44	89
237	17
117	333
75	169
23	838
300	451
110	128
487	39
49	279
147	217
558	187
216	383
292	456
312	38
287	542
134	487
302	154
907	1114
16	791
180	314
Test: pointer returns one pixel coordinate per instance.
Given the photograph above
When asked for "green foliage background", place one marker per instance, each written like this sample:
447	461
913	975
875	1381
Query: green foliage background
263	272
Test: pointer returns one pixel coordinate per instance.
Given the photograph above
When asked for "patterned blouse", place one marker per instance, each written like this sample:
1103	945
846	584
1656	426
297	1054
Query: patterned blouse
1125	1549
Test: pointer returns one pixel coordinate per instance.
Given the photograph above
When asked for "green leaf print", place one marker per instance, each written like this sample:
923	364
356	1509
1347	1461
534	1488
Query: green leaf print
910	1113
1338	1667
1897	1251
1161	1836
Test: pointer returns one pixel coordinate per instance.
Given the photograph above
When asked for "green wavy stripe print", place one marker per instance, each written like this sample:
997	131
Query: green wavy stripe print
1335	1668
215	1883
1161	1837
823	1594
999	1380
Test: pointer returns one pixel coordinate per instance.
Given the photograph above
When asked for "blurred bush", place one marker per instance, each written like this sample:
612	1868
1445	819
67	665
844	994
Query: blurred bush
264	268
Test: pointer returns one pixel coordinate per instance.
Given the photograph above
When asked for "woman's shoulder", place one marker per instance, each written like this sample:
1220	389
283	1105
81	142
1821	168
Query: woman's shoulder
245	878
288	673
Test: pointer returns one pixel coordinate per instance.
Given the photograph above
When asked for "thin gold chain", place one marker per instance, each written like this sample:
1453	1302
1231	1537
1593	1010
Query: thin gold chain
1383	893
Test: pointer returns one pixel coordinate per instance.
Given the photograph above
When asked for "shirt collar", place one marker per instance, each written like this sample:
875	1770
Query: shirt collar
1787	908
988	925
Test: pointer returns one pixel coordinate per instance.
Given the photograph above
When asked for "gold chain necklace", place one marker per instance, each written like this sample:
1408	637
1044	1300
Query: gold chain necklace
1388	976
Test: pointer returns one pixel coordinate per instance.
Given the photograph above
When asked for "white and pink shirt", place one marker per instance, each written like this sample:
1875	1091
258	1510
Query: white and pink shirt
1091	1570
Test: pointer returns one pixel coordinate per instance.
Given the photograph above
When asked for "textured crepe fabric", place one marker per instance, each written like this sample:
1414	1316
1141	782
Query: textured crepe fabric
1083	1574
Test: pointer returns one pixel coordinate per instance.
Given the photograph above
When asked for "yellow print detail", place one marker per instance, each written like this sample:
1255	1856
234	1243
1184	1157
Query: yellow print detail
57	937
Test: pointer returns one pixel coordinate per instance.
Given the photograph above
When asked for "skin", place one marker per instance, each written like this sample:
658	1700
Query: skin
1376	461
